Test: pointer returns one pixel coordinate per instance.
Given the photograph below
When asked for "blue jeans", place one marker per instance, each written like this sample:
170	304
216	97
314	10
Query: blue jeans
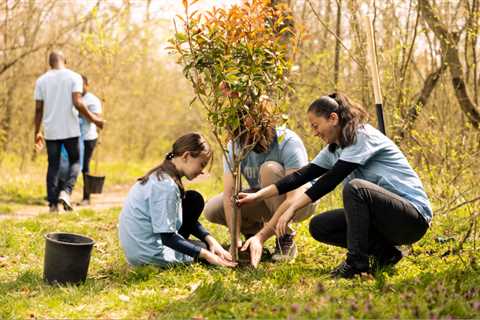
53	151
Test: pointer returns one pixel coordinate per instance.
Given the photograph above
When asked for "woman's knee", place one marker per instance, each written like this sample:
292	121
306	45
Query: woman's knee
317	228
354	187
270	172
214	209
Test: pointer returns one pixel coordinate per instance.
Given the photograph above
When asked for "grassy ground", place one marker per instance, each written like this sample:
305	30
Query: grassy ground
26	186
431	282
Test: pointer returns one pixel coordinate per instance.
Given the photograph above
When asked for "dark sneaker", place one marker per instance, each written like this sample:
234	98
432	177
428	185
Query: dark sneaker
285	248
347	271
64	198
386	259
53	208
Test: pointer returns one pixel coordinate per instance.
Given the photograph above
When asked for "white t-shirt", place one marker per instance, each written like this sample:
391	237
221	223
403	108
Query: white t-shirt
88	129
60	117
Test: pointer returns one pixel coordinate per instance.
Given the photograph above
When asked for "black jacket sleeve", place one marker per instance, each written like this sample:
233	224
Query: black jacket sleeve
299	178
331	179
178	243
199	231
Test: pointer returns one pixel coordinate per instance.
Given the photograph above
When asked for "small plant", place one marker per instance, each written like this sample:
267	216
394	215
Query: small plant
238	61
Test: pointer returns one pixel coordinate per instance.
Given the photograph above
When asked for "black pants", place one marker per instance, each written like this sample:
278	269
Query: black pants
372	220
53	151
192	205
89	146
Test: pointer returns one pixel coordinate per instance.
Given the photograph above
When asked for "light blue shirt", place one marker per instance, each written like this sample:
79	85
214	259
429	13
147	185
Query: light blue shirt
287	149
88	130
150	209
381	162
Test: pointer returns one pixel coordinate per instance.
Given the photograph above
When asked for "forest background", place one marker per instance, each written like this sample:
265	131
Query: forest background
427	52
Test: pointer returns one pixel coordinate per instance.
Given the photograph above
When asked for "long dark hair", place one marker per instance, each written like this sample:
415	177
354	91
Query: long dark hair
191	142
351	115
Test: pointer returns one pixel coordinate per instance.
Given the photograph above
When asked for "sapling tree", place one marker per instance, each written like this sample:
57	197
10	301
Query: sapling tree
237	60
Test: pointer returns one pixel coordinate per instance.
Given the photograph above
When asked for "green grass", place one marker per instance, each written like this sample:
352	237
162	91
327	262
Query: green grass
26	186
428	283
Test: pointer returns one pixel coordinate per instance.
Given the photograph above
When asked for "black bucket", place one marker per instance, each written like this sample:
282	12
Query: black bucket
94	184
67	256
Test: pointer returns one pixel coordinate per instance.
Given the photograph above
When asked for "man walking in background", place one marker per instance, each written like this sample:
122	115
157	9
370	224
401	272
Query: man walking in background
58	101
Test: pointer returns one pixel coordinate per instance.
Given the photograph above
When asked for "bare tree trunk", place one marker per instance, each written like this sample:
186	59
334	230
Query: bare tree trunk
359	34
422	98
336	69
6	123
406	58
448	42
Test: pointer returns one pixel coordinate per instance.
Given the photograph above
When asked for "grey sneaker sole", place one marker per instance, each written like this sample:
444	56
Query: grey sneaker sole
286	256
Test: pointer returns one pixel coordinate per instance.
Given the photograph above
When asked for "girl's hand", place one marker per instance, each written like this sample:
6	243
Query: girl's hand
256	248
246	198
217	249
282	223
216	260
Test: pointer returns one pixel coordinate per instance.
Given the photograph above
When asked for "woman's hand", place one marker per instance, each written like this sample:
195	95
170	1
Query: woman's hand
256	247
216	260
246	198
282	223
215	248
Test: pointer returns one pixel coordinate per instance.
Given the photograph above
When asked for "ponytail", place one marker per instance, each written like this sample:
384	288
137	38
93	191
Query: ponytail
351	116
190	142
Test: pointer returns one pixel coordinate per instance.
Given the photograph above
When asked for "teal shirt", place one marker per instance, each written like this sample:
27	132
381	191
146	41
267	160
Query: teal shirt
381	162
150	209
287	149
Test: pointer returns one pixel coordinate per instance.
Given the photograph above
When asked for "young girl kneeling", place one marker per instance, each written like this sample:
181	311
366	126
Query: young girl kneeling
159	215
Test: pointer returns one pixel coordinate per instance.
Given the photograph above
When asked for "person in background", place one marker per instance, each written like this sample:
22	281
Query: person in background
57	104
88	134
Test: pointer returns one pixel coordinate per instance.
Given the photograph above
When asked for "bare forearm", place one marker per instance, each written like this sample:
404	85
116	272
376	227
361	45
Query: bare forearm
267	192
268	229
38	115
85	112
295	201
38	122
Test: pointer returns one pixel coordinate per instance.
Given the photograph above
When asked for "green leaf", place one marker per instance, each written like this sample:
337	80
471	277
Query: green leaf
181	37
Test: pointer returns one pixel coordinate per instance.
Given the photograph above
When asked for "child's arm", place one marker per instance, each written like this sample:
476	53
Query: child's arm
176	242
199	231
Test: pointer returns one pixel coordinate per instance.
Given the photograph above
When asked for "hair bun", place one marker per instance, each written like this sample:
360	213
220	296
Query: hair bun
169	156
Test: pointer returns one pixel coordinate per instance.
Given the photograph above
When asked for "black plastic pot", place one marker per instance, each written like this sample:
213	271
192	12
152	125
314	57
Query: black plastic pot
94	184
67	256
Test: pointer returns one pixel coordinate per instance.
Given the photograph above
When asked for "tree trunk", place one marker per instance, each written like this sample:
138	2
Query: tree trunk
237	179
448	43
336	69
422	98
